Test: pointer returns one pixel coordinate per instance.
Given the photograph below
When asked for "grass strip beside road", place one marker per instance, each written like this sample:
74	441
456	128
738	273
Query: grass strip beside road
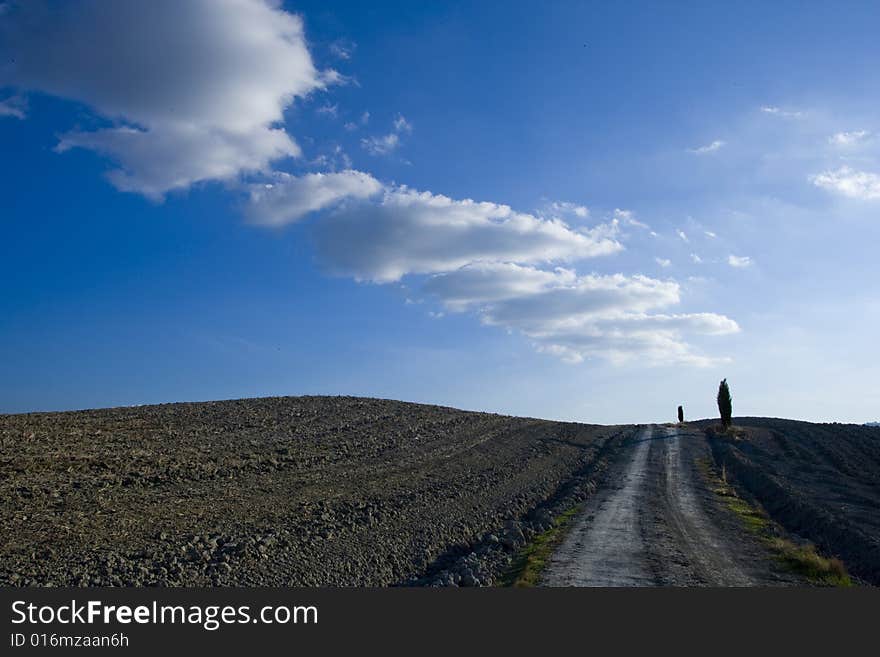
530	561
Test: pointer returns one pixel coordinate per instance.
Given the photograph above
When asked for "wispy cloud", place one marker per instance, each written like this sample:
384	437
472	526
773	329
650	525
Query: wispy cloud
663	262
739	262
568	208
381	145
328	109
847	139
385	144
785	114
401	124
708	148
681	235
332	159
14	106
627	218
861	185
364	119
342	49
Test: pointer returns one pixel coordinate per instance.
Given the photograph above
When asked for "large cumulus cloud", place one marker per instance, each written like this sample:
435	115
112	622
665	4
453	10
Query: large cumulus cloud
190	91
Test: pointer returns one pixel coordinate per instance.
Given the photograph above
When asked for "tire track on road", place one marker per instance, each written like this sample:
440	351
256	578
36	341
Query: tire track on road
604	548
709	556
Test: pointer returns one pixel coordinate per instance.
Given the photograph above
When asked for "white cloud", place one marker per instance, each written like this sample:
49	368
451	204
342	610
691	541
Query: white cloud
627	218
739	261
681	235
193	90
846	139
567	208
578	317
384	144
710	234
708	148
648	348
175	157
410	232
381	145
401	124
696	259
860	185
196	91
331	110
786	114
342	49
663	262
289	198
563	299
489	283
333	158
14	106
354	125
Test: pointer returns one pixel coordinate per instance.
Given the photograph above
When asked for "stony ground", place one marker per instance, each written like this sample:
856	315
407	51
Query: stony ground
819	481
282	491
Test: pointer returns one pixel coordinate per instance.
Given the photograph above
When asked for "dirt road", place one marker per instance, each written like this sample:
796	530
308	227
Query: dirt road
605	546
660	526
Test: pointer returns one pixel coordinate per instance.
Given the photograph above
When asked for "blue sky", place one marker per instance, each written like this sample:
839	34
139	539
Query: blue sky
568	210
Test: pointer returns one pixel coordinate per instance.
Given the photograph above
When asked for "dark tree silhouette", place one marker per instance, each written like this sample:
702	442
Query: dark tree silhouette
680	414
725	404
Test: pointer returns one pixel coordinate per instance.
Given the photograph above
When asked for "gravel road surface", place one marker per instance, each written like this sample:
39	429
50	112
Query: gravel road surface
605	546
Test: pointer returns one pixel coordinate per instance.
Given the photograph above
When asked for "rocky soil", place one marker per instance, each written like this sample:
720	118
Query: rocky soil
287	491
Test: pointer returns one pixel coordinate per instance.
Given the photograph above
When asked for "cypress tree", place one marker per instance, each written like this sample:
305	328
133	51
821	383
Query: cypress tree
725	404
680	415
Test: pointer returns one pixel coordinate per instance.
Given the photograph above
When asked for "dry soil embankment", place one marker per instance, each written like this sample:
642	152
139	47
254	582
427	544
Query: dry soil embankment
819	481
